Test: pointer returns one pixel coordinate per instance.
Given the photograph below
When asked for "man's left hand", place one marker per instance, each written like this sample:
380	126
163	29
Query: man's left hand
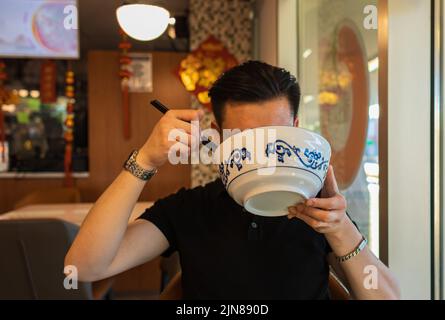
326	214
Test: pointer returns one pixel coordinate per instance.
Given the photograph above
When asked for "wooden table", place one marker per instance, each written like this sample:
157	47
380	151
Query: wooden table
70	212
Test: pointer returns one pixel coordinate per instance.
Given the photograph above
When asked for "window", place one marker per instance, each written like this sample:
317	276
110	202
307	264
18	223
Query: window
35	130
337	63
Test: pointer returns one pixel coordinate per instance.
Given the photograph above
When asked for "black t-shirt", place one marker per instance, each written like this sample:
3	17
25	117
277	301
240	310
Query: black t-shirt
228	253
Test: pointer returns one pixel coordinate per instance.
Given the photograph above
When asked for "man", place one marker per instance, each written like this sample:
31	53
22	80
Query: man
226	252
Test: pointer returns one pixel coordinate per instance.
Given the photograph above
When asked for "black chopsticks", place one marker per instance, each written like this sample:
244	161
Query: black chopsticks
158	105
163	109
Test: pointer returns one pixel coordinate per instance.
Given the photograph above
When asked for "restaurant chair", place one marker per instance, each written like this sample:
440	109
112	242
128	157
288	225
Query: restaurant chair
337	289
173	290
33	253
53	195
170	266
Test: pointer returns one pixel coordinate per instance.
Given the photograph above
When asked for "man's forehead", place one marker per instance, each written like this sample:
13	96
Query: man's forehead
251	115
271	103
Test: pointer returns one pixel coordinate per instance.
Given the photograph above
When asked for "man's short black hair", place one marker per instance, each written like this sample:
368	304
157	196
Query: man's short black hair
253	81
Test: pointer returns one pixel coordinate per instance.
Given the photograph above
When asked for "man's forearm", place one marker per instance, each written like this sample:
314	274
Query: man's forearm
104	227
100	237
359	269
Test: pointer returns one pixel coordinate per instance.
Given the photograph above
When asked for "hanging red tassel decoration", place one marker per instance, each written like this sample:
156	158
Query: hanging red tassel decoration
125	74
3	98
69	126
48	78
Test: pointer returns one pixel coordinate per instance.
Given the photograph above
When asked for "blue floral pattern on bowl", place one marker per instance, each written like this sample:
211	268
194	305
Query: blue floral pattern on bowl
311	159
236	157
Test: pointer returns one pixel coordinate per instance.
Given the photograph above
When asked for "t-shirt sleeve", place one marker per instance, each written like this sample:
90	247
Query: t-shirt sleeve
162	214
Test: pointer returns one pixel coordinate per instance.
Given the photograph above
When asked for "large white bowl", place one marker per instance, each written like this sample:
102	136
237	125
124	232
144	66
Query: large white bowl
268	169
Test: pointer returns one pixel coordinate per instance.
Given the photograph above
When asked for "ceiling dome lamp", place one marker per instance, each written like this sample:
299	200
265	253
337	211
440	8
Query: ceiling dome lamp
142	21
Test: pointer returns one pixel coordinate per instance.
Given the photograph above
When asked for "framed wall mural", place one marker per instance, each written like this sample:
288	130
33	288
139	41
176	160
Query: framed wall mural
343	100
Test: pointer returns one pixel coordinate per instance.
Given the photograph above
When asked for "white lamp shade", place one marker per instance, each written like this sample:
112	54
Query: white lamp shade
142	21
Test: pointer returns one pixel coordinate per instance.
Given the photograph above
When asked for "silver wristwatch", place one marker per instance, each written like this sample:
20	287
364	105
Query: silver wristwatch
132	166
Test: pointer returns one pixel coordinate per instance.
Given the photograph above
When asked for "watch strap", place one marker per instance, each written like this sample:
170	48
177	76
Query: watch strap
136	170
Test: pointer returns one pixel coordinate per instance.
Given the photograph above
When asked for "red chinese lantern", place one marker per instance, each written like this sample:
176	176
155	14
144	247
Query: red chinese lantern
125	74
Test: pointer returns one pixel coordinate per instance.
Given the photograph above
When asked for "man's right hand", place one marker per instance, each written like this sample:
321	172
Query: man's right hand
155	151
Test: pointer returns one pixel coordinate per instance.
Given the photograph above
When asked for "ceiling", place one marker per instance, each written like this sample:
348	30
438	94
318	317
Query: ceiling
98	27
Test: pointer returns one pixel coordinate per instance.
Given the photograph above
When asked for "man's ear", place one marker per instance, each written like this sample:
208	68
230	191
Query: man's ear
296	121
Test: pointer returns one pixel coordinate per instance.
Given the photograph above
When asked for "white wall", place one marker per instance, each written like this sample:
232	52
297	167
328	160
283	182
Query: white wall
266	41
287	35
409	145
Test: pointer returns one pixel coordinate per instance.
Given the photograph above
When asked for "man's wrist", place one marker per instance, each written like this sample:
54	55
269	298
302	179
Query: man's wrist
345	239
144	162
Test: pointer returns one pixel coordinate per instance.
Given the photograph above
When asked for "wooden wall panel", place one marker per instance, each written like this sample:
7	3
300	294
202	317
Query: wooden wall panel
108	148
